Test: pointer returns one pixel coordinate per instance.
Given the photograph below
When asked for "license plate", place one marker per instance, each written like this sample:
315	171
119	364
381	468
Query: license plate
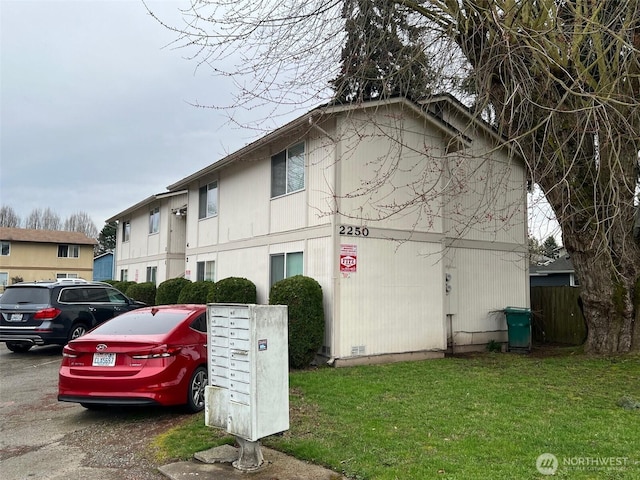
15	317
104	359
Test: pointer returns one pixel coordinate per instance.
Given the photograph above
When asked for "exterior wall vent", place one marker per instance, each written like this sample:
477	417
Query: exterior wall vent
357	350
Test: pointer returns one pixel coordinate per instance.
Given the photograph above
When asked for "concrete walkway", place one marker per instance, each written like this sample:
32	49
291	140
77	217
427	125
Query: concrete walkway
216	464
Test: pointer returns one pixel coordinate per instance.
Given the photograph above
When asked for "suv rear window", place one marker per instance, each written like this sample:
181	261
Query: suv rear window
84	295
22	295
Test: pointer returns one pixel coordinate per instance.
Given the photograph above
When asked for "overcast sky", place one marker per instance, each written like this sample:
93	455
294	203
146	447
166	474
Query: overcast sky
96	110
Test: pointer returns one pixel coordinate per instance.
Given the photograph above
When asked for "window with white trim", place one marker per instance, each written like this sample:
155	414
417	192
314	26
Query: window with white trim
205	271
154	220
208	200
124	275
126	231
66	275
285	265
5	248
151	274
4	280
68	251
287	171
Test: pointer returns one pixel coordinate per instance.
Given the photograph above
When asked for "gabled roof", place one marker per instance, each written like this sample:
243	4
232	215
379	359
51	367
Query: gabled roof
307	122
103	255
45	236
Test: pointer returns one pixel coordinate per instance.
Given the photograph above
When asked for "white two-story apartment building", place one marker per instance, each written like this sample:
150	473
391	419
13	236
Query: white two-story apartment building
150	241
411	217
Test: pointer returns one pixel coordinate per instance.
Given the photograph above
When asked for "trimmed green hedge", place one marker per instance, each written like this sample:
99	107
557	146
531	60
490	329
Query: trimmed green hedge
303	296
122	286
169	290
143	292
196	292
233	290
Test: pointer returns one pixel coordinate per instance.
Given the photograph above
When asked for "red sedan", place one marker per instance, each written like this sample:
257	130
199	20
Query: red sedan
150	356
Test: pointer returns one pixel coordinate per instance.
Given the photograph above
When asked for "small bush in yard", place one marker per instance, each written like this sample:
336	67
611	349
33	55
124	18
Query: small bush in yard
233	290
196	292
169	290
303	296
143	292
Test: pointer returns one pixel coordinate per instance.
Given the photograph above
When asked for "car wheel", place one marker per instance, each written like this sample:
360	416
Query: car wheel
77	330
195	395
19	347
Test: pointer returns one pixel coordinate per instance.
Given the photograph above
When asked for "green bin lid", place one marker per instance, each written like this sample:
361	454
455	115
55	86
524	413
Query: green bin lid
517	310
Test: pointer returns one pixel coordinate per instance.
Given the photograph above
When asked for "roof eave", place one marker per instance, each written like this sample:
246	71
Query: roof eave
146	201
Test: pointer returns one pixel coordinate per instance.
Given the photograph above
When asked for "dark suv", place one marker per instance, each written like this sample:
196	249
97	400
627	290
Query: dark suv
45	313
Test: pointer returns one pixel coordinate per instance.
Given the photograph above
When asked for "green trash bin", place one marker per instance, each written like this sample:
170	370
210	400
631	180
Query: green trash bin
519	328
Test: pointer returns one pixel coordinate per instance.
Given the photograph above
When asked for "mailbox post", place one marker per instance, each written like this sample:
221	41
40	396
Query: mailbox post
248	391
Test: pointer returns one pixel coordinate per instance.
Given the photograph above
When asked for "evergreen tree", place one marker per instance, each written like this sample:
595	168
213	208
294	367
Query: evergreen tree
550	247
383	56
107	238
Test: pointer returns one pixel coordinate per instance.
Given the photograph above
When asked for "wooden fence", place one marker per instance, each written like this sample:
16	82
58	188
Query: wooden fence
556	316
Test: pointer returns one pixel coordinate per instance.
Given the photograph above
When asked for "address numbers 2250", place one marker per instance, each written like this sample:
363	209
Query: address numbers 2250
354	231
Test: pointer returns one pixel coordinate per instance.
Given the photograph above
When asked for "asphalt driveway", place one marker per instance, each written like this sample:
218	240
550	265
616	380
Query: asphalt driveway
41	438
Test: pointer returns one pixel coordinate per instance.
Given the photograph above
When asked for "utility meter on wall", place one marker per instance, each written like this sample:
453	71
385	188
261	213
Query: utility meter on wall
248	392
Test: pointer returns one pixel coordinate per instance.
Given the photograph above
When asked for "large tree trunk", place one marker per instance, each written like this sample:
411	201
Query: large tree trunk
597	230
608	297
575	119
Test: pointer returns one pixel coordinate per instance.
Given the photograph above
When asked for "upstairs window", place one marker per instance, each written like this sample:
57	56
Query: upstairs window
154	220
287	171
208	200
68	251
126	231
5	248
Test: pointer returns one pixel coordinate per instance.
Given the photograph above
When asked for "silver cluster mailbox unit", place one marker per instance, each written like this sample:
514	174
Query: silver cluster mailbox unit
248	392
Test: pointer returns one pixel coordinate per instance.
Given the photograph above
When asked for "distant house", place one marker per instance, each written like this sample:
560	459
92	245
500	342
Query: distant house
44	255
555	273
314	198
103	267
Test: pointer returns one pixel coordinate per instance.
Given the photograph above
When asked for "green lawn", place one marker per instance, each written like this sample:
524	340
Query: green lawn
486	416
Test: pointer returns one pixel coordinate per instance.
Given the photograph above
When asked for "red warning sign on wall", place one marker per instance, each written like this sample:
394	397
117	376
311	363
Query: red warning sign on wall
348	258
